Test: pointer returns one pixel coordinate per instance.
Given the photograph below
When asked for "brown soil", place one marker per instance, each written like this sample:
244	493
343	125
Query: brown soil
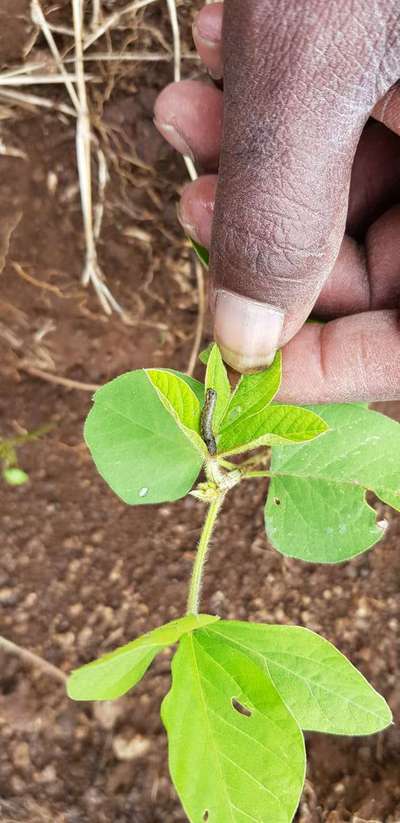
80	572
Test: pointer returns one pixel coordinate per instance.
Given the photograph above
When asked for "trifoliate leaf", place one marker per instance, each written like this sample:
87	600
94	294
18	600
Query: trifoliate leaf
180	401
137	445
316	508
275	424
201	253
254	393
321	688
217	379
235	752
115	673
205	354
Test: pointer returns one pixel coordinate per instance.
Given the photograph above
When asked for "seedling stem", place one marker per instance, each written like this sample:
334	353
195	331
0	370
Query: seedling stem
202	552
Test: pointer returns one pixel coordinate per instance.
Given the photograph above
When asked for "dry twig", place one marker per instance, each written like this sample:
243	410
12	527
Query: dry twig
57	379
33	659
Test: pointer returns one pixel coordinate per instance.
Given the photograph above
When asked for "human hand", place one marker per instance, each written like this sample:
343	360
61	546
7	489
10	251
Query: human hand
297	163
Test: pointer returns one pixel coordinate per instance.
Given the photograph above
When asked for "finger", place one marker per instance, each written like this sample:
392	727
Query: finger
207	35
387	111
197	208
383	257
207	32
361	278
295	104
353	359
189	116
375	178
365	278
347	289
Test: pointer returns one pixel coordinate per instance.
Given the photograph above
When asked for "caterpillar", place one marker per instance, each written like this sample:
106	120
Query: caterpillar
207	419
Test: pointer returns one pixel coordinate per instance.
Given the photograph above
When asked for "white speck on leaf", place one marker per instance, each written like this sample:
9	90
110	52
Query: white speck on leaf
143	491
234	414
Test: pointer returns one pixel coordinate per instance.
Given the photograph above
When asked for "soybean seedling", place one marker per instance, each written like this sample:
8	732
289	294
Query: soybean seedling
243	693
11	472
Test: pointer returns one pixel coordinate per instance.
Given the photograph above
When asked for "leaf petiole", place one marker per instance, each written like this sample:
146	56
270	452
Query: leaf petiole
226	464
249	475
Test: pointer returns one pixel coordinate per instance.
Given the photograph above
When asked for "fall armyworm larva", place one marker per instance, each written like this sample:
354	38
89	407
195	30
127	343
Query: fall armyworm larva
207	419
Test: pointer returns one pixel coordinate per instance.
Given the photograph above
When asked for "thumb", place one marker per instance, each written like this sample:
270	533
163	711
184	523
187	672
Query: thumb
300	80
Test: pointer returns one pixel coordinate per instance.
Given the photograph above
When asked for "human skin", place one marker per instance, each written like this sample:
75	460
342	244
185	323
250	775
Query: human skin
300	200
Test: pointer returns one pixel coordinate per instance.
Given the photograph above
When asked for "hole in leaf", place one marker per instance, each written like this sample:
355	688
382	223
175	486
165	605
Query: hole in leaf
240	708
277	501
205	815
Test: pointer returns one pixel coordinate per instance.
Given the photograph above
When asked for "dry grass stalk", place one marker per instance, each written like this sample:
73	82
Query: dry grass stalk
40	20
176	37
96	15
61	30
92	271
201	310
193	176
7	229
129	56
85	140
27	67
33	281
32	100
39	79
113	19
102	179
11	151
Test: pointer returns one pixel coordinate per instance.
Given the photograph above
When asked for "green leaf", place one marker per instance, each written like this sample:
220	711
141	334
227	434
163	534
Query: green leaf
15	476
195	385
115	673
316	508
217	379
180	401
254	392
319	521
275	424
201	253
235	752
322	689
179	395
204	355
136	444
389	497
